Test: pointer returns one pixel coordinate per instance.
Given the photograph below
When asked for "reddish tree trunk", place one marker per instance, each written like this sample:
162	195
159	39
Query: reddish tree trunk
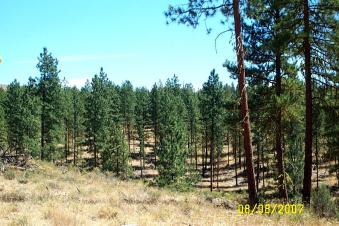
307	183
244	107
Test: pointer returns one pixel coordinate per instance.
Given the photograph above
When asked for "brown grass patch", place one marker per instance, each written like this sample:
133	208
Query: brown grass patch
60	218
107	213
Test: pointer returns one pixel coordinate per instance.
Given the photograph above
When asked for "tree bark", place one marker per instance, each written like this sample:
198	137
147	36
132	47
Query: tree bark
258	165
228	150
212	146
307	183
263	168
74	148
95	153
316	158
235	160
205	164
129	136
141	158
202	155
196	153
239	148
244	107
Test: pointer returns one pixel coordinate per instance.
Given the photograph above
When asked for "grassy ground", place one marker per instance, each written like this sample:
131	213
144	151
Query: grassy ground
50	195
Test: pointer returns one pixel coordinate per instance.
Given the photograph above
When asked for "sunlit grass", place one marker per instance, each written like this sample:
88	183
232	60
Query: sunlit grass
64	196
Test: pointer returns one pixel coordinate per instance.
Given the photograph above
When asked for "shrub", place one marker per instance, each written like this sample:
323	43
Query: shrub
13	196
183	184
9	175
23	179
322	202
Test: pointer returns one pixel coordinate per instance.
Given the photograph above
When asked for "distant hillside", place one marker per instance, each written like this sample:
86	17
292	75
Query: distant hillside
3	86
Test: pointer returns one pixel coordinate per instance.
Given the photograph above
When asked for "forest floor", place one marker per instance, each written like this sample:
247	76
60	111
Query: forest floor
227	178
45	194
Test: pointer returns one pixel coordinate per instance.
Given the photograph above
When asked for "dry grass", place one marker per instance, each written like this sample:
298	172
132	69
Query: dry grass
64	196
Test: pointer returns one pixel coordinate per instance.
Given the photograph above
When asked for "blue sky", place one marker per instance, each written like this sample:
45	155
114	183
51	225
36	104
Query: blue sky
128	38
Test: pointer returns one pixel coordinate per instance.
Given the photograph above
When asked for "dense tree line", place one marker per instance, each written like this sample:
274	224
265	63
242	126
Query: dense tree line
280	125
283	40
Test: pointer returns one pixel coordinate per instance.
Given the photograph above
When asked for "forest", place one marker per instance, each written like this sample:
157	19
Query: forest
274	134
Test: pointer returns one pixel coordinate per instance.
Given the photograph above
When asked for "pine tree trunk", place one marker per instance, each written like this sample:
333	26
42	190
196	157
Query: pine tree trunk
206	147
228	150
212	157
117	162
191	146
258	165
42	132
316	158
95	152
196	154
218	167
129	136
307	183
202	156
239	150
244	106
278	132
141	159
65	144
235	160
155	145
74	148
263	168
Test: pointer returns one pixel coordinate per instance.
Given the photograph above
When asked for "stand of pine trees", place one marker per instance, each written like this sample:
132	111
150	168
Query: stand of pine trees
284	41
274	128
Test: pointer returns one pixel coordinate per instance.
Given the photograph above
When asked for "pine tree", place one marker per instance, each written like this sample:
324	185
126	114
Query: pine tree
331	129
77	121
142	120
67	107
307	184
97	114
314	27
14	110
213	104
266	38
190	14
192	121
22	116
154	108
172	152
127	109
3	126
49	91
115	154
